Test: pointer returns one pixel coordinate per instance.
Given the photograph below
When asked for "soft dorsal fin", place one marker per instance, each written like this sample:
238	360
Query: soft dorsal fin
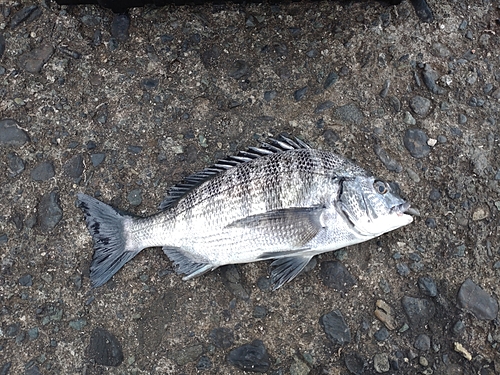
272	146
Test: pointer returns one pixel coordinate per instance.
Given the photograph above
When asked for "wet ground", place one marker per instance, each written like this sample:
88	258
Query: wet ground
81	110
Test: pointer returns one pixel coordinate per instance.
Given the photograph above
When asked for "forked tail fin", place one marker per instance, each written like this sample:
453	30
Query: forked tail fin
107	227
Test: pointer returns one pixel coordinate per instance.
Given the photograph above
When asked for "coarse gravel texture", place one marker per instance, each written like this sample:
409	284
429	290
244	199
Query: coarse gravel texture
123	118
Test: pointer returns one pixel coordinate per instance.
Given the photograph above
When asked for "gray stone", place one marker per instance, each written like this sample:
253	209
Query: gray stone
349	113
26	280
382	334
419	310
427	286
134	197
11	134
381	362
422	342
300	93
330	80
104	348
15	164
97	159
120	26
474	299
336	328
74	166
299	367
34	60
420	105
78	324
430	76
43	171
355	363
415	141
232	280
22	15
322	107
270	95
239	69
49	211
221	337
335	275
251	357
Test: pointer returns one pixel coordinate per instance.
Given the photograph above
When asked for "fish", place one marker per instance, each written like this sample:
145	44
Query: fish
283	201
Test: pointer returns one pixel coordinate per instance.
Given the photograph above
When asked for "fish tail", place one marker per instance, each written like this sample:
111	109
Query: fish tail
108	229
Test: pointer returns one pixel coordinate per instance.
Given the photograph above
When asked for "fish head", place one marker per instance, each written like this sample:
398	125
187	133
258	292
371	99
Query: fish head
371	206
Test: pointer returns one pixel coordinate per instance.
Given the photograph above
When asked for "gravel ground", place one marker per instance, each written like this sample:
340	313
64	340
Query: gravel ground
125	118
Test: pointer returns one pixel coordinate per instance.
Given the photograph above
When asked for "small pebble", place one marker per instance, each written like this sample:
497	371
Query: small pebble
33	61
221	337
300	93
355	363
459	327
335	275
74	166
427	286
26	280
381	363
134	197
330	80
270	95
43	171
420	105
419	310
350	113
382	334
15	164
431	142
49	211
104	348
422	342
385	314
97	159
403	269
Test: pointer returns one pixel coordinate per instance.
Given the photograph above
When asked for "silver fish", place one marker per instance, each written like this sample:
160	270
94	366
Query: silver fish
283	201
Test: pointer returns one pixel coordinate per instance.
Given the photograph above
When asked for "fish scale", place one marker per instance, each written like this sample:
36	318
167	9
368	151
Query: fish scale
282	201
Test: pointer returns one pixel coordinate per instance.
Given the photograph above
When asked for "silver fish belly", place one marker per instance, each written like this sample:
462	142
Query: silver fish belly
283	201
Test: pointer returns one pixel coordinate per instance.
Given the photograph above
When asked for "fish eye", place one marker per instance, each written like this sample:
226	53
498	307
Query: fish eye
380	187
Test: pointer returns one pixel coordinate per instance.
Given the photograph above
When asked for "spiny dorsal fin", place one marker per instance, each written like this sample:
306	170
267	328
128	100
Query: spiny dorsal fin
272	146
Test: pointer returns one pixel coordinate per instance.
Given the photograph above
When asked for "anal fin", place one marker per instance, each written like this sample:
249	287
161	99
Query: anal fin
287	268
186	265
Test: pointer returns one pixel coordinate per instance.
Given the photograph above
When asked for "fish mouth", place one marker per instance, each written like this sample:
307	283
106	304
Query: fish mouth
405	208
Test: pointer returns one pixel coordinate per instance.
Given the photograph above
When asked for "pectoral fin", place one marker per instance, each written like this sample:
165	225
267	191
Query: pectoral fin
296	226
286	269
184	264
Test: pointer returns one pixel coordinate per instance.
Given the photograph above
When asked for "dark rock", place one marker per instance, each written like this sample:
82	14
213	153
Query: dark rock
134	197
74	166
69	52
395	103
349	113
431	222
424	12
22	15
232	280
430	76
418	310
264	283
3	238
427	286
403	269
134	149
239	69
330	80
221	337
415	141
97	159
382	334
420	105
336	328
259	312
49	211
104	348
270	95
12	329
210	57
434	195
322	107
34	60
26	280
385	89
390	163
459	327
15	164
4	370
473	298
330	137
33	333
204	363
335	275
11	134
355	363
300	93
422	342
43	171
2	45
250	357
150	83
120	26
